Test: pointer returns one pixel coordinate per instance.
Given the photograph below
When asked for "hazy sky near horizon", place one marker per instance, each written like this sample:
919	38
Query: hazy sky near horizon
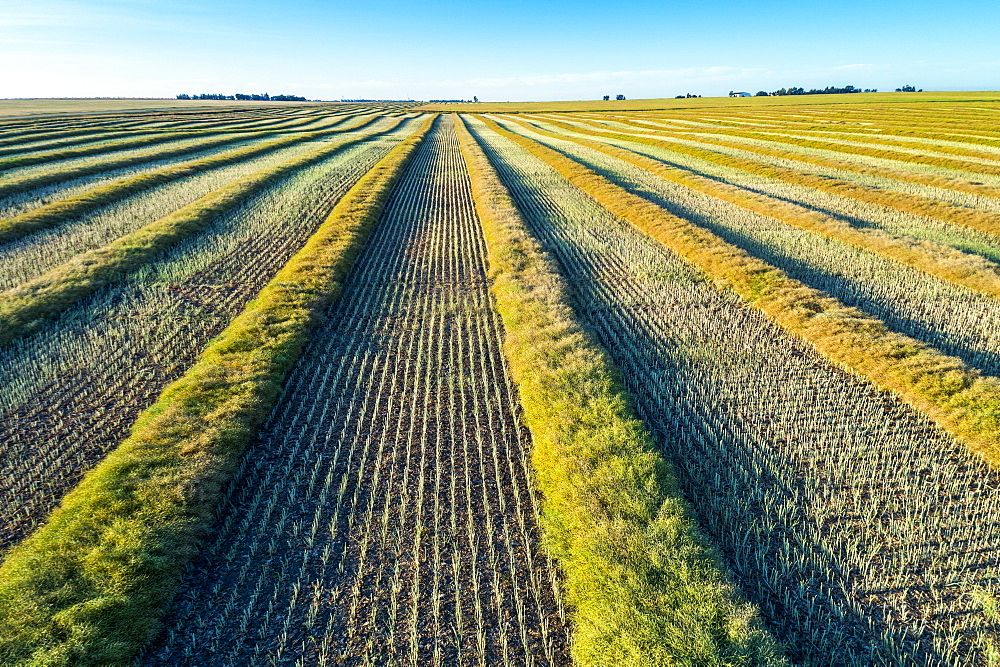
510	50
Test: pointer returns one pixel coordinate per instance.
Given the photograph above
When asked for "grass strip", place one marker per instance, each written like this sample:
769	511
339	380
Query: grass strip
983	221
52	214
960	399
645	587
26	307
89	586
971	271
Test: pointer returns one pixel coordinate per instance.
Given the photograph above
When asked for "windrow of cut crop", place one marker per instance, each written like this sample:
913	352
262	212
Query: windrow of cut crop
973	189
69	125
894	119
41	142
53	141
942	261
83	151
30	256
866	135
123	149
48	215
88	587
956	320
108	140
26	307
902	139
295	123
16	138
857	213
13	205
645	586
782	148
958	398
984	221
870	144
18	184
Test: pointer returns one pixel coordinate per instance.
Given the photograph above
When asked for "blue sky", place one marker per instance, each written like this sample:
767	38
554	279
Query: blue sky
513	50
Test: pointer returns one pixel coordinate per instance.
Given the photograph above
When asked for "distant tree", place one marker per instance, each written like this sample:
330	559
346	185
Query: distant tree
607	97
619	97
679	97
183	96
829	90
761	93
907	89
475	99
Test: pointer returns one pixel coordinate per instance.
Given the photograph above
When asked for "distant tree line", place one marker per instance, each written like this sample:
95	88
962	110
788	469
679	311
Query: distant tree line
829	90
241	96
909	89
684	97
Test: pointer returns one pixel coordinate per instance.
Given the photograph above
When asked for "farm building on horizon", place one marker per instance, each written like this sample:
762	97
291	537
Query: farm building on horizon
739	94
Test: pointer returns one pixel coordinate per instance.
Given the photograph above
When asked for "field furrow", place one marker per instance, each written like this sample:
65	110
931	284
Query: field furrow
389	516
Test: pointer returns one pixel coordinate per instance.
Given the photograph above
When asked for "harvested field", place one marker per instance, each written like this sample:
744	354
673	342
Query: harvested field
655	383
